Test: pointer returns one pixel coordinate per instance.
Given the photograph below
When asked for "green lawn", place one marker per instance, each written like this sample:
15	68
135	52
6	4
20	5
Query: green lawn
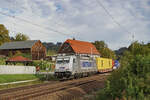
16	77
22	77
20	84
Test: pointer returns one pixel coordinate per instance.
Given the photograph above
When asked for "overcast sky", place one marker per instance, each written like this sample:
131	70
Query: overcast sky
86	20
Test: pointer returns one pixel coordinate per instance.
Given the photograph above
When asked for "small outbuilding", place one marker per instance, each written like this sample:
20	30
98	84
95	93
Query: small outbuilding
18	59
34	48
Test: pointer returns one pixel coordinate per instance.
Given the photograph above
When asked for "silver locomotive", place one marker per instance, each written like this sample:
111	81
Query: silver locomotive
74	66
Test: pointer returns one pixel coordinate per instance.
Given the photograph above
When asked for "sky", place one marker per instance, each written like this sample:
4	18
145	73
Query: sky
85	20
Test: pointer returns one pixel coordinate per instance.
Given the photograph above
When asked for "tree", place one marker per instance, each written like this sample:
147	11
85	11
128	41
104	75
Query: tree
139	48
4	34
21	37
12	38
102	47
108	53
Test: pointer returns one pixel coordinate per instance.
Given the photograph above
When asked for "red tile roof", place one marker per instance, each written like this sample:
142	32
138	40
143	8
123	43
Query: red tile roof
82	47
19	58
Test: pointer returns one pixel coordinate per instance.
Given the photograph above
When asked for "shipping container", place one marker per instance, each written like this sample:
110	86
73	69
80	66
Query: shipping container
104	64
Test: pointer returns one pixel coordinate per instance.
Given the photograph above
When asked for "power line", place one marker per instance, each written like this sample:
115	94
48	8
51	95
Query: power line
21	19
113	19
14	5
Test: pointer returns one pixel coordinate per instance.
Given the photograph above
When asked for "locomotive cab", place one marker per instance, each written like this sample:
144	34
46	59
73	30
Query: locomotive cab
64	66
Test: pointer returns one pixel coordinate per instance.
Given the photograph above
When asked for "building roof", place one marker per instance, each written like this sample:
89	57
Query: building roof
19	59
18	44
82	47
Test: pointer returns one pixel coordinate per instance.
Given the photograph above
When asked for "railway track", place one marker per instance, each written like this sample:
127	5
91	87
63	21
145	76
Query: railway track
57	91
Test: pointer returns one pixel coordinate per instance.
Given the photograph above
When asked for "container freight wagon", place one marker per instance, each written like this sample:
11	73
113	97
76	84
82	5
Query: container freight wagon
104	64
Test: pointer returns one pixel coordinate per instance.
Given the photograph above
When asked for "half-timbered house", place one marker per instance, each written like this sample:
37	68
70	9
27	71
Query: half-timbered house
76	47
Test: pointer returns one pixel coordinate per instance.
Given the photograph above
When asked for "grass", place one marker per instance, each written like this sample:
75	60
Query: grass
23	77
41	78
16	77
20	84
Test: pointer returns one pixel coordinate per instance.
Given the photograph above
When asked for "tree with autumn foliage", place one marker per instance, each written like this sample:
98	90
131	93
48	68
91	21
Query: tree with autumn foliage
4	34
105	52
20	37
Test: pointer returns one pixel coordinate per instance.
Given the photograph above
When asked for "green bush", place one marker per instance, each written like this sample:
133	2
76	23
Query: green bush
2	61
46	77
43	65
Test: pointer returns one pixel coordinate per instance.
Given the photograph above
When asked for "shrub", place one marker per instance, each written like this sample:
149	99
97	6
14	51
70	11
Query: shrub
2	61
43	65
46	77
131	81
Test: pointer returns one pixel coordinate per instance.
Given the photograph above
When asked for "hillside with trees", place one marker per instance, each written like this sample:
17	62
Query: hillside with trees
52	48
120	51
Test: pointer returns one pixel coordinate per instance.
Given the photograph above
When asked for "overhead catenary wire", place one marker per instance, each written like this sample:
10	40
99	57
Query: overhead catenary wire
14	4
62	26
20	25
71	35
113	19
34	24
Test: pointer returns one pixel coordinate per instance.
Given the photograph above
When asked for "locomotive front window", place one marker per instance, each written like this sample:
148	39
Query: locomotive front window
59	61
66	61
63	61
